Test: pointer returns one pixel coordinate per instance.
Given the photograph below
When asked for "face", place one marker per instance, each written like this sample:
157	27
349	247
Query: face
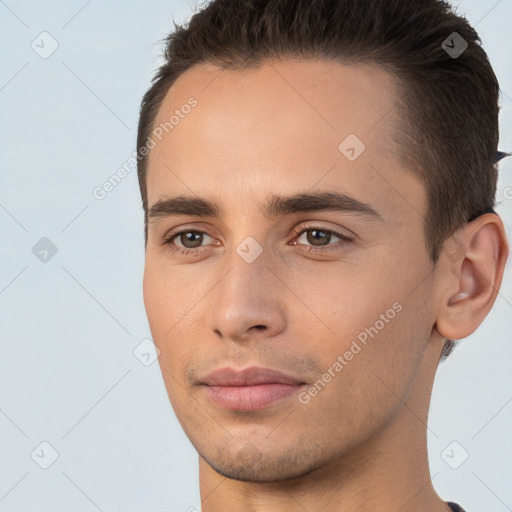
289	293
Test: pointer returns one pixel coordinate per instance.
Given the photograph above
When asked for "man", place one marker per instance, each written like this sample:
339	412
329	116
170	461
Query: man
318	179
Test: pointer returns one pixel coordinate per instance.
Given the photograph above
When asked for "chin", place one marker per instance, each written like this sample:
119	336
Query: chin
249	464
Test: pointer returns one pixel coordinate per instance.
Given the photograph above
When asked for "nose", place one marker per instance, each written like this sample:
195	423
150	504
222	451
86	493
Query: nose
246	304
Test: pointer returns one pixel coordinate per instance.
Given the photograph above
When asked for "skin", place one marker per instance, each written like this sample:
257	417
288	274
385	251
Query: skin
360	443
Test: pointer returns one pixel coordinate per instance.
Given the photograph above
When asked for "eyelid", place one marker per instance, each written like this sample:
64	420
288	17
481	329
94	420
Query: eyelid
299	230
185	228
168	240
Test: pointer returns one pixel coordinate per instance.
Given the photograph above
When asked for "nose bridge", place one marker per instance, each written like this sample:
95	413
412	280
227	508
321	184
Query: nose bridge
246	297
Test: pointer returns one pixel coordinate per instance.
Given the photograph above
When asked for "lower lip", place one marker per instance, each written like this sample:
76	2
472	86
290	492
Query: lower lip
250	398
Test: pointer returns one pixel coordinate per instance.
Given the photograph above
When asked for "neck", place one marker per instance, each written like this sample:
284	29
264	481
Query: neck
387	473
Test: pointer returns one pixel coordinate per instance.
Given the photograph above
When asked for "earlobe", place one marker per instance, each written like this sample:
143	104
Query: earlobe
472	280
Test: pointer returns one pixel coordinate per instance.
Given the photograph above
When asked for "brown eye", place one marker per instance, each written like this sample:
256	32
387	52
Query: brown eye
191	239
188	239
317	237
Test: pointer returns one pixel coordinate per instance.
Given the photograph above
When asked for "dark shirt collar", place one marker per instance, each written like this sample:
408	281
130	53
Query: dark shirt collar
455	507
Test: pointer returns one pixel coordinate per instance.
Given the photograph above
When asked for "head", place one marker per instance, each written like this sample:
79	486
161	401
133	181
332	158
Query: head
354	158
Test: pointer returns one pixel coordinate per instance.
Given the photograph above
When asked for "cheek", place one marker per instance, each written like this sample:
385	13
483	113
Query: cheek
341	300
166	310
157	299
374	315
175	300
395	332
170	294
376	375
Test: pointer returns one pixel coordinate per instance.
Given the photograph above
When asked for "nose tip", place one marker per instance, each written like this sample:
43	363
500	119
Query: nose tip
246	304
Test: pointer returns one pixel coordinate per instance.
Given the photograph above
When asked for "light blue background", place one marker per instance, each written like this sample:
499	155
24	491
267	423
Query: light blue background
69	327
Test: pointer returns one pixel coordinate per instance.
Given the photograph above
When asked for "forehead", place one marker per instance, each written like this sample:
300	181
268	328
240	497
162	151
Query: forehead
290	124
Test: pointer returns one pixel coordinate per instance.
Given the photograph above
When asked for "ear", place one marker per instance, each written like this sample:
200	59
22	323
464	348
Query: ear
472	263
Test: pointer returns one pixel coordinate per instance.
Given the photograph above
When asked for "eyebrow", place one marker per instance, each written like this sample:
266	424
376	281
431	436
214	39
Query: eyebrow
277	205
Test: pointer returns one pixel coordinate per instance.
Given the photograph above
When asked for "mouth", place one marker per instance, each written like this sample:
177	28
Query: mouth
249	389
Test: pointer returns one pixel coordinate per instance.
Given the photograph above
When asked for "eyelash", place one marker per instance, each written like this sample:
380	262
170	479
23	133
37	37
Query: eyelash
299	231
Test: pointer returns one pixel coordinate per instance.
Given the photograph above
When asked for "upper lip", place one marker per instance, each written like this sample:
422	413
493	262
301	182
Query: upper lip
248	377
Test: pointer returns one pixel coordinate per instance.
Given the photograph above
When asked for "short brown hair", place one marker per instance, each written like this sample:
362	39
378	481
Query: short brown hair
448	102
